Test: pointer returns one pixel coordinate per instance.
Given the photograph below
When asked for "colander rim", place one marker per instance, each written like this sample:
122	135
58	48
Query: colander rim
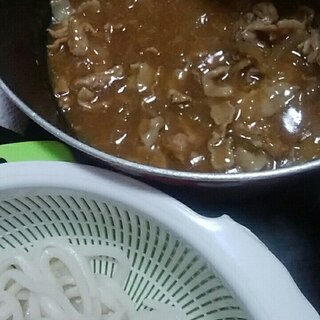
214	239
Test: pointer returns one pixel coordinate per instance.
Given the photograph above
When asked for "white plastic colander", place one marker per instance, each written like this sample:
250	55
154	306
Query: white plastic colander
213	269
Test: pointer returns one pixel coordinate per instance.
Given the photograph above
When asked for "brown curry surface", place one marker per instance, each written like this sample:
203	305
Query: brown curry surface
193	85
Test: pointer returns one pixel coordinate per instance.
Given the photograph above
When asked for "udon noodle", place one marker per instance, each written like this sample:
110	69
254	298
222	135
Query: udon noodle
56	281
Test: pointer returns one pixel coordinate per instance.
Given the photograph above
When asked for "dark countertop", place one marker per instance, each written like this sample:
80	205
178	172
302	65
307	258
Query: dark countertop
285	218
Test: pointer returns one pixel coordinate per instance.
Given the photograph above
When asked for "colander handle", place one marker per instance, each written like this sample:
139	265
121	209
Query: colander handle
254	274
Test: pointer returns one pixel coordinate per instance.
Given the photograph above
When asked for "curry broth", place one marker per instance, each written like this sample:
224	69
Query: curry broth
257	110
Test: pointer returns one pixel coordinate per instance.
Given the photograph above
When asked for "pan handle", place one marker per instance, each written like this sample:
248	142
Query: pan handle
35	151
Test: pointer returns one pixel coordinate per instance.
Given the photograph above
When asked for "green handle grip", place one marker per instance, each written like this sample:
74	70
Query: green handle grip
36	151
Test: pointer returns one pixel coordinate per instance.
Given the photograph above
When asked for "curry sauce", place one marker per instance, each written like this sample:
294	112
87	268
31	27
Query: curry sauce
193	85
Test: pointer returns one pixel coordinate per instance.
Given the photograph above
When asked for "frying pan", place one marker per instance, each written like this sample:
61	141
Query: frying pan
24	76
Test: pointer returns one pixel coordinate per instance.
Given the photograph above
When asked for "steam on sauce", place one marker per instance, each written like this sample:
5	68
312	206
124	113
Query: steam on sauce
195	85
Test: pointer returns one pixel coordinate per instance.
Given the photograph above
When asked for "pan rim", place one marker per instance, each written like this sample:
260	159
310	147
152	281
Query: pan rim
134	168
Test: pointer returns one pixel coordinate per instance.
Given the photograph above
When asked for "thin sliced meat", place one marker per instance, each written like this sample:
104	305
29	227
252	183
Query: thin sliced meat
59	34
90	5
61	10
266	12
85	98
78	40
211	88
222	113
181	145
154	126
249	161
100	80
287	26
61	88
178	97
311	47
264	20
222	155
146	76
